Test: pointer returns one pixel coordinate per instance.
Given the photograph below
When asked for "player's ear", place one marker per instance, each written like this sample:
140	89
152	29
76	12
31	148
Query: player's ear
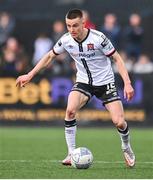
83	22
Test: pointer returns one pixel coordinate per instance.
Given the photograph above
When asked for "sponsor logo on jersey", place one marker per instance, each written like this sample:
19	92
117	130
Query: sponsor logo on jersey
84	55
70	46
90	47
59	43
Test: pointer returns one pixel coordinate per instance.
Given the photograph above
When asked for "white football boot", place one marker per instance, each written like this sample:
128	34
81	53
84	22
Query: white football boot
67	161
129	156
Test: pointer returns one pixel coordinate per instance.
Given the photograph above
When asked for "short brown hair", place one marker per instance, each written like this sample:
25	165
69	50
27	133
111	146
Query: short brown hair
74	13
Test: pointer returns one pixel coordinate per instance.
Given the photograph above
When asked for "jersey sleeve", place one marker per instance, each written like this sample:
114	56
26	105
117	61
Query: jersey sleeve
59	47
106	45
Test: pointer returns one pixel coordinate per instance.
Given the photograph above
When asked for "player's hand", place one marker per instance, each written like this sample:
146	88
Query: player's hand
128	92
23	80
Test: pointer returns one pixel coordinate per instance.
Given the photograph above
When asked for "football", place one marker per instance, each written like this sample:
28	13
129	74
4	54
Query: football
81	158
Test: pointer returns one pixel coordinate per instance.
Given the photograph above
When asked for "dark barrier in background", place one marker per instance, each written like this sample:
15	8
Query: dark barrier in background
44	100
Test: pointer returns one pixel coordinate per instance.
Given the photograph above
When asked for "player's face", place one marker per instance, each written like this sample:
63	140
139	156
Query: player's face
75	27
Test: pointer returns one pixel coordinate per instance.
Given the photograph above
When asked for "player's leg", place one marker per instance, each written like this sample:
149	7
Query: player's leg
76	100
117	114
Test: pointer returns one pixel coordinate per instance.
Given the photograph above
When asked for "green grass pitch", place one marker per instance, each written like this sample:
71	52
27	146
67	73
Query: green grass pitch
37	152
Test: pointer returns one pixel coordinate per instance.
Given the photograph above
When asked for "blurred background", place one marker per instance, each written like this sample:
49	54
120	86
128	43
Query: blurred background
28	29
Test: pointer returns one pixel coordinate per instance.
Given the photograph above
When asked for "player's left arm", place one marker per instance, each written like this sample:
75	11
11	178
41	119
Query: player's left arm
128	89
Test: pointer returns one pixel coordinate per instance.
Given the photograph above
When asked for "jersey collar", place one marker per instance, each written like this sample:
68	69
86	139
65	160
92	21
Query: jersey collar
84	38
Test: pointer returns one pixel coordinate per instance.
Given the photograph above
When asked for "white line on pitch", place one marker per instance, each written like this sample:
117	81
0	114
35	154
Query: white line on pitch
58	161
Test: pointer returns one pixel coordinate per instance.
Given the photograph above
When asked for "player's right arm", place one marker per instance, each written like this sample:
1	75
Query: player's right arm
43	63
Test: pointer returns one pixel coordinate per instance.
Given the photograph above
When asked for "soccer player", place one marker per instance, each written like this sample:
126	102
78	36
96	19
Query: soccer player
92	52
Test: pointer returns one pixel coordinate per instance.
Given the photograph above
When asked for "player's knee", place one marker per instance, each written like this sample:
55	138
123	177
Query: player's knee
118	121
70	113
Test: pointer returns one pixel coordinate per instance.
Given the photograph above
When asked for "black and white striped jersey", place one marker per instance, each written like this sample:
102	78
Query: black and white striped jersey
92	57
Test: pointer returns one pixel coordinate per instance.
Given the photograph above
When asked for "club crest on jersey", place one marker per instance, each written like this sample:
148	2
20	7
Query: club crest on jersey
90	47
70	47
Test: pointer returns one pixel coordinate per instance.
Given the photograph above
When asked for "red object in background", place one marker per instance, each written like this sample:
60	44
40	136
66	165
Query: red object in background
90	25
